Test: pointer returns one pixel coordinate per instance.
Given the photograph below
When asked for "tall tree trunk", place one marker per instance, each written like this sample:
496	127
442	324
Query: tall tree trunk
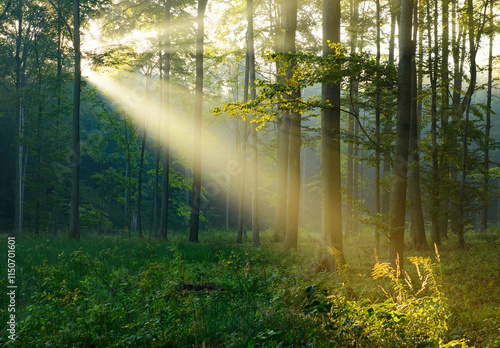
74	218
458	62
282	184
228	192
355	175
350	147
467	103
486	165
19	187
55	209
153	224
283	144
128	169
434	146
194	222
255	188
377	136
290	17
330	146
445	81
350	170
242	150
417	216
253	131
139	179
398	192
166	109
386	169
38	148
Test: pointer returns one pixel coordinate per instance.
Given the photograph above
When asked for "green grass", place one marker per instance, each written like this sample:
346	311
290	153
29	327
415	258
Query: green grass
115	292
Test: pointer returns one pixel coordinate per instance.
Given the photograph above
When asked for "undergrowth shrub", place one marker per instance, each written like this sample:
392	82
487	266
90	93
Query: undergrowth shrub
414	314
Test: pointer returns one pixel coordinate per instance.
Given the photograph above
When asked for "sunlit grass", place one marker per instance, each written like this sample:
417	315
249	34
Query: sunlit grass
264	288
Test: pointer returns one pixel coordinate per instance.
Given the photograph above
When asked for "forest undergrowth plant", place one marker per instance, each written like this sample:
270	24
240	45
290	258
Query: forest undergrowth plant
414	314
415	303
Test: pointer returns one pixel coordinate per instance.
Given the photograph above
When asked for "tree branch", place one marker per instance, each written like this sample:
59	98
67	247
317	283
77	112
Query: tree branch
5	11
61	16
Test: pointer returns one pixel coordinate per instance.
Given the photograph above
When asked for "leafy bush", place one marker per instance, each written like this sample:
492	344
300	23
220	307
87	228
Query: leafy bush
414	314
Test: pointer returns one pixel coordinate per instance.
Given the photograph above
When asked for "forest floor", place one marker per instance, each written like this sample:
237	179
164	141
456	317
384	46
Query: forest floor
108	291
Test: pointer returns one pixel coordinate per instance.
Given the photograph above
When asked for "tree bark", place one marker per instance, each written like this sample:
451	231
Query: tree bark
194	222
398	192
74	219
283	145
139	179
466	103
253	131
377	135
417	216
55	209
386	169
166	135
432	63
444	164
330	148
353	92
290	17
242	151
486	165
19	186
458	62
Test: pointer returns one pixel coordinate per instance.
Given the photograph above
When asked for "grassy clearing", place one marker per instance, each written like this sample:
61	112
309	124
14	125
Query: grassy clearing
114	292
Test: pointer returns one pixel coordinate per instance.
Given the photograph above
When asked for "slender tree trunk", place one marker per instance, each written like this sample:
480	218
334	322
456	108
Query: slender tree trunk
38	145
417	216
467	103
166	136
253	131
139	179
444	165
128	169
434	146
398	192
19	187
153	224
291	236
353	93
283	144
355	176
386	170
255	189
282	184
350	145
55	209
330	147
74	219
303	202
243	157
486	165
458	62
377	136
196	200
350	172
228	192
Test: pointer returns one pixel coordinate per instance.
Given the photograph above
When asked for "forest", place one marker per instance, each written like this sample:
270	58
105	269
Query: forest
249	173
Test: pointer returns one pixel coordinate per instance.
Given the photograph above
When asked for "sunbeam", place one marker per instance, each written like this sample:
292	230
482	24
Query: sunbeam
137	97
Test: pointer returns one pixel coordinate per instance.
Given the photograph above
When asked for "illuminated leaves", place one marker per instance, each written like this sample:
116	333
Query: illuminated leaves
273	97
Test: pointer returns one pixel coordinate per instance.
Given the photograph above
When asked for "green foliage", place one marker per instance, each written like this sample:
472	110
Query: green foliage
112	292
311	69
